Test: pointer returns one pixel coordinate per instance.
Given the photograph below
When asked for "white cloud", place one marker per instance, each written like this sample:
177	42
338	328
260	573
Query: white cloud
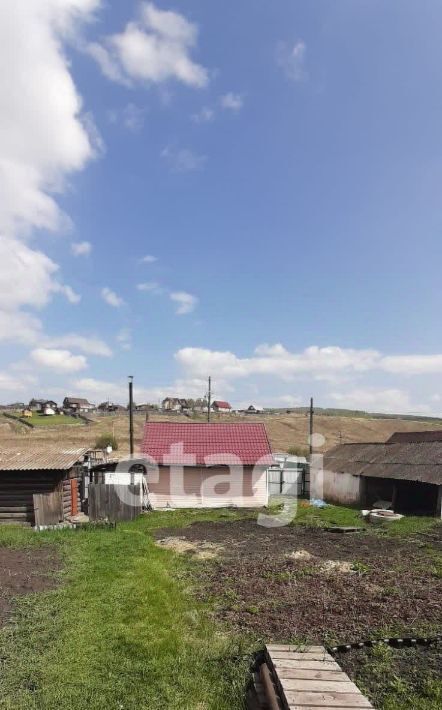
70	294
186	303
111	298
204	115
19	327
81	248
134	117
150	287
291	59
289	400
232	102
148	259
183	160
40	141
154	48
58	360
10	383
118	391
276	360
321	363
378	400
27	277
412	364
131	117
124	338
91	345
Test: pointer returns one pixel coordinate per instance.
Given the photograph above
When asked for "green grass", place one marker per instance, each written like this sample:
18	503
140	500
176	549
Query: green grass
121	631
421	688
340	516
332	515
54	420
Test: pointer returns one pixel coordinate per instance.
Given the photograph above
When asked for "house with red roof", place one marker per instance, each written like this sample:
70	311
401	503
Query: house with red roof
194	465
221	407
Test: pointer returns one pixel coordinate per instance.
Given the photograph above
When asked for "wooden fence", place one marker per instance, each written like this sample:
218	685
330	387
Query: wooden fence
114	502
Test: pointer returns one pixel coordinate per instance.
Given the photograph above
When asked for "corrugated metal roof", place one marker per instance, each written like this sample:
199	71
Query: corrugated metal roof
36	459
412	461
191	444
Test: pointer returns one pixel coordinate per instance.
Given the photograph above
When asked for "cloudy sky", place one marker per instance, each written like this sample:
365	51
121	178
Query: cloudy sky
244	190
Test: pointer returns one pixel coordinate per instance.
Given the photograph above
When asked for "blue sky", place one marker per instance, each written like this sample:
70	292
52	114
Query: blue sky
279	164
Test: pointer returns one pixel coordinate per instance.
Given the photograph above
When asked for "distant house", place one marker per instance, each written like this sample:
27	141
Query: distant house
175	404
145	407
405	471
207	465
49	410
43	406
78	404
254	409
221	406
111	407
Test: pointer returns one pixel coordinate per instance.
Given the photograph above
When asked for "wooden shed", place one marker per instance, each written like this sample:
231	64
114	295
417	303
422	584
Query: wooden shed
406	470
55	471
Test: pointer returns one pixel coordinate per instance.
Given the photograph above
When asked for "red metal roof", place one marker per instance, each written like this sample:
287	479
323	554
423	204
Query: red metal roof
191	444
221	404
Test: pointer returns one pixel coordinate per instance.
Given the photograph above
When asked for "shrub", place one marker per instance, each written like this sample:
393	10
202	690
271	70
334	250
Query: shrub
105	440
298	451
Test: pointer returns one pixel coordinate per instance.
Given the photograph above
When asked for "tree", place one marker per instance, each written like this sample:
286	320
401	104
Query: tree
105	440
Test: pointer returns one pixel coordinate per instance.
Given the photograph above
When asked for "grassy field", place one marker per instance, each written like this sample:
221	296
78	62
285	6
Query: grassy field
121	631
39	420
53	421
284	430
124	629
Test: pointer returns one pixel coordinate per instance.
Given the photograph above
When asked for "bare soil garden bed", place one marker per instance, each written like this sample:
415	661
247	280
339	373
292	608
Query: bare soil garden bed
306	583
24	572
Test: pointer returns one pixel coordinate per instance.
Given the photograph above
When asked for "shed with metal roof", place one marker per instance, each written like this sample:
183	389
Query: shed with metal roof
406	470
207	465
52	471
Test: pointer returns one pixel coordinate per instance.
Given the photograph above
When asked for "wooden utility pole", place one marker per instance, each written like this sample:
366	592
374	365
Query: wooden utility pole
209	399
131	414
311	426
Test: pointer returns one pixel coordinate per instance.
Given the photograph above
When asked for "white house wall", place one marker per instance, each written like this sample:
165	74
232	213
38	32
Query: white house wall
207	488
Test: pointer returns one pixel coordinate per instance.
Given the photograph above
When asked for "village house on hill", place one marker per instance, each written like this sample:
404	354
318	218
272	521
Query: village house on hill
43	406
221	407
78	405
175	404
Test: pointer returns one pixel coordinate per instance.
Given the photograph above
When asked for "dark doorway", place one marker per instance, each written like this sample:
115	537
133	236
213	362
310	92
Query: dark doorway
407	497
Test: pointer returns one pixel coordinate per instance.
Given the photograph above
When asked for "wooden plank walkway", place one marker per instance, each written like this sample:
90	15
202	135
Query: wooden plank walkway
308	678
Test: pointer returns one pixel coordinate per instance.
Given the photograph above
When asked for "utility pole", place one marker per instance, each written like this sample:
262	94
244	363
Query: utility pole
131	414
312	411
209	399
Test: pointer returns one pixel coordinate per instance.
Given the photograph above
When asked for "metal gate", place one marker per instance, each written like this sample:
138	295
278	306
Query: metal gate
288	481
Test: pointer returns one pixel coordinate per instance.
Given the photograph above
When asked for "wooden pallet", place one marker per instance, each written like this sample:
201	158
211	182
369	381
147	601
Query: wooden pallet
308	678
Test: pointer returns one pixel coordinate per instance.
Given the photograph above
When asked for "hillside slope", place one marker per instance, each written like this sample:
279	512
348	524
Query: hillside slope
284	430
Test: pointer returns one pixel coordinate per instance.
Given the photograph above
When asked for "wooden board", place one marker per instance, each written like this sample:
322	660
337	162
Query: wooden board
114	502
47	508
309	678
